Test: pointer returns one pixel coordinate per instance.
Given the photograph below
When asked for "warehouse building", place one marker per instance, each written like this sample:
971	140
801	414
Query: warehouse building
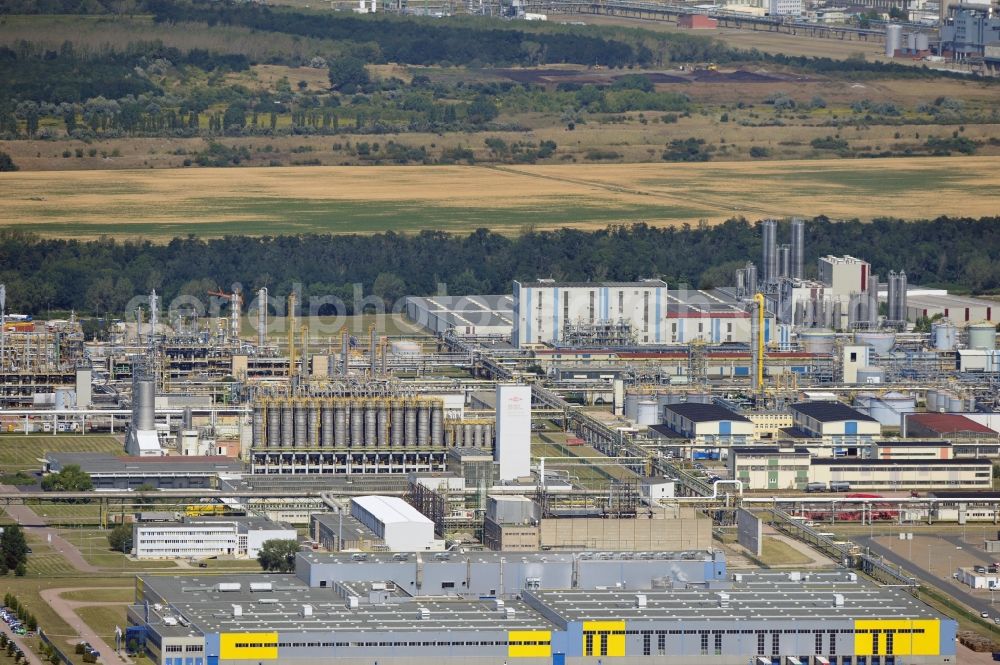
399	525
835	424
961	310
708	425
200	538
463	315
336	532
761	617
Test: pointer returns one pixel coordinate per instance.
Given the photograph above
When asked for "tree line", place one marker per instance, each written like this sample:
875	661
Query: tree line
101	276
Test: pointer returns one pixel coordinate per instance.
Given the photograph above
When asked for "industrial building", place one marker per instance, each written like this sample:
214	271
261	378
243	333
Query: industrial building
472	315
829	617
398	524
962	310
204	537
624	314
835	424
775	468
708	425
337	532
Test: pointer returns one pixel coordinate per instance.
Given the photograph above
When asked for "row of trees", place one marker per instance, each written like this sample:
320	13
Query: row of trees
101	276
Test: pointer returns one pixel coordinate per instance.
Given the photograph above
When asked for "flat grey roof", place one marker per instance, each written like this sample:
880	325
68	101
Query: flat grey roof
350	527
495	557
485	310
759	596
199	601
552	284
704	413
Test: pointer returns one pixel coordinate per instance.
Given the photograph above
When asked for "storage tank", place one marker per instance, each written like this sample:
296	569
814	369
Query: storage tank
396	424
956	404
258	428
889	409
911	42
893	39
437	425
631	406
881	342
488	434
326	416
371	425
145	401
287	425
411	424
357	425
819	342
383	425
470	434
932	401
944	335
423	425
300	425
458	438
871	375
341	421
982	336
273	426
312	433
648	413
405	347
480	435
923	42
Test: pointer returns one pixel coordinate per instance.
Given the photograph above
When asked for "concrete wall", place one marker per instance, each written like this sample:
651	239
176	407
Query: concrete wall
639	534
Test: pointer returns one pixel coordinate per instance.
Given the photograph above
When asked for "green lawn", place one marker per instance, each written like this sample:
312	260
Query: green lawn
93	545
103	619
19	452
777	553
122	593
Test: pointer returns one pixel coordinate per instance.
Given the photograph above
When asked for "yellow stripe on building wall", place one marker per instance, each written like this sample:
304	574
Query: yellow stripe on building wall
529	644
918	637
248	646
615	632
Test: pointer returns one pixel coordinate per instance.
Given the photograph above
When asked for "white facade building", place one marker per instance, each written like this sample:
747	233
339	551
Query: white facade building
512	450
203	538
844	275
784	7
544	310
400	525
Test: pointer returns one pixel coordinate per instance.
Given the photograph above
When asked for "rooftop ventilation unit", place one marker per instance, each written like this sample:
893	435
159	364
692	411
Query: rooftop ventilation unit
640	600
228	586
307	610
237	610
509	613
353	602
838	600
424	614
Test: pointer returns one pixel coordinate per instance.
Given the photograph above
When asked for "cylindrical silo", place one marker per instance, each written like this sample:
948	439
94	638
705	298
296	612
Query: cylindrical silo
458	435
326	417
146	403
301	424
371	424
312	431
982	336
357	425
273	425
396	425
287	425
437	425
383	424
341	421
932	400
911	42
923	42
489	435
470	435
410	420
647	413
258	427
944	335
893	39
955	404
480	439
423	425
631	405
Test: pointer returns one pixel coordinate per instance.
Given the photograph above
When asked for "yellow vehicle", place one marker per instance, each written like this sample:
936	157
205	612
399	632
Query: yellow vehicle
712	67
203	509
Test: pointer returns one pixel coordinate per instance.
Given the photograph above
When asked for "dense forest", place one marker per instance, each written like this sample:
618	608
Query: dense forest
101	276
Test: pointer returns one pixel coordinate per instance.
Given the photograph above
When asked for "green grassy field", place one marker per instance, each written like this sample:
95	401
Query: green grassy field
117	594
103	619
93	545
21	452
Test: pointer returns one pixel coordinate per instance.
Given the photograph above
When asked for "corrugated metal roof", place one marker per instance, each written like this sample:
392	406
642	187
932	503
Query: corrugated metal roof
948	423
390	509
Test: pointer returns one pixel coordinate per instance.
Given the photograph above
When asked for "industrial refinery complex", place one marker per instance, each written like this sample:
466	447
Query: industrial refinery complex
567	473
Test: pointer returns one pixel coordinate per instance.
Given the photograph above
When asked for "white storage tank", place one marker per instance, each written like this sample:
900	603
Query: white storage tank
956	404
944	335
923	41
889	409
932	400
631	406
405	347
982	336
911	42
871	375
819	342
648	413
881	342
893	39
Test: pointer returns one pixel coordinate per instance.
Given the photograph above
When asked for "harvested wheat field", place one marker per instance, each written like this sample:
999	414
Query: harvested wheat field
163	204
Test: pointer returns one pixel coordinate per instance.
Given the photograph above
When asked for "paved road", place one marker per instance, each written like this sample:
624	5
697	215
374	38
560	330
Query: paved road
32	658
36	525
65	609
945	585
